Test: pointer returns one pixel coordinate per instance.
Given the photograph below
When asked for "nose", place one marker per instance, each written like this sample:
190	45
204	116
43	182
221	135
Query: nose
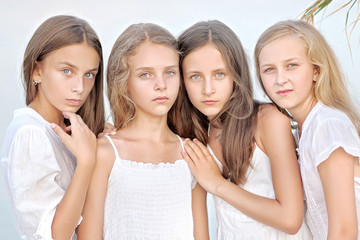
78	85
281	77
160	84
208	88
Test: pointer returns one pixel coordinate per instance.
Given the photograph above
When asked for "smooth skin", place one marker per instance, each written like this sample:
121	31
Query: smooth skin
65	78
272	135
154	72
285	65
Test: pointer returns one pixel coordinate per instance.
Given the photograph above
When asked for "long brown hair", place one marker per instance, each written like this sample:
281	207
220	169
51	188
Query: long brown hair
330	87
238	117
57	32
118	70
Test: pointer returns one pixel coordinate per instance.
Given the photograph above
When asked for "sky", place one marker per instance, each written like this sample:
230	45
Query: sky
248	19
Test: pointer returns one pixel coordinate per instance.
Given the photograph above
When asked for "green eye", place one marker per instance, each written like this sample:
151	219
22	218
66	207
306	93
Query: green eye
89	75
66	71
145	75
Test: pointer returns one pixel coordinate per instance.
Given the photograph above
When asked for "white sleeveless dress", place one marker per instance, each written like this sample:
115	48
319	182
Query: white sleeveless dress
148	201
234	225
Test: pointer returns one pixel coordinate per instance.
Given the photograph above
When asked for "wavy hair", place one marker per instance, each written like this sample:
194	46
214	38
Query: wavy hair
57	32
238	117
330	87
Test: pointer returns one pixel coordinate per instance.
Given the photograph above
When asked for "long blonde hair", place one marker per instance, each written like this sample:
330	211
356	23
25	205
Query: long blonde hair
238	117
57	32
118	70
330	87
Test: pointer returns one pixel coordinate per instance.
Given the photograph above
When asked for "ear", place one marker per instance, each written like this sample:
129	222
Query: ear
316	73
36	75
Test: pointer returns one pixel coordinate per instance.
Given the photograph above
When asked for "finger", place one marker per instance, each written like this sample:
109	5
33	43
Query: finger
73	118
196	149
68	128
188	160
203	148
65	138
188	146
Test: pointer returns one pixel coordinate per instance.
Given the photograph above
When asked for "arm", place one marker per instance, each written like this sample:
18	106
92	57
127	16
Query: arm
82	143
93	214
337	177
199	210
285	212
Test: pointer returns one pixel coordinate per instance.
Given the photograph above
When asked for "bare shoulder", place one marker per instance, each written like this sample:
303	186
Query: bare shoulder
272	125
271	119
105	155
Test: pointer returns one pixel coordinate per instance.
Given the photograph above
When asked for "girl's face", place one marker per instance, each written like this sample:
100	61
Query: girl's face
287	74
66	77
154	78
208	81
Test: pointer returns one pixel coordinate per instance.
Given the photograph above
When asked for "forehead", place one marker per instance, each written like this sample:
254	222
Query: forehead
81	55
283	47
152	54
207	56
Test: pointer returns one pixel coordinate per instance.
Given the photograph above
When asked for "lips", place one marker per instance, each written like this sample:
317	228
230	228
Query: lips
284	92
161	99
209	102
74	102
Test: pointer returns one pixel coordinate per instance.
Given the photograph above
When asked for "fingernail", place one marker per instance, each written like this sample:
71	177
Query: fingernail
52	125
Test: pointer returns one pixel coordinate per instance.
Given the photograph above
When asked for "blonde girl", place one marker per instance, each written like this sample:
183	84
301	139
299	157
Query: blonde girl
48	176
249	164
141	187
299	72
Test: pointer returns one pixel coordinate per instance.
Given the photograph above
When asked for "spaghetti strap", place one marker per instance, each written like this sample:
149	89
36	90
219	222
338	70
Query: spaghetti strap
113	145
181	142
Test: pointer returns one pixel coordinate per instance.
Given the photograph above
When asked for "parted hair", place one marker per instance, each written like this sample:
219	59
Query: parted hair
118	69
238	117
330	87
55	33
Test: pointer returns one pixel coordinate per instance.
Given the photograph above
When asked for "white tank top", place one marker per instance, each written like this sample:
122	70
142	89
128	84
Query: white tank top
148	201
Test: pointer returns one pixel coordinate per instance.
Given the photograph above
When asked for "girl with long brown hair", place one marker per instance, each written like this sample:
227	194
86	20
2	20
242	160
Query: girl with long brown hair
48	176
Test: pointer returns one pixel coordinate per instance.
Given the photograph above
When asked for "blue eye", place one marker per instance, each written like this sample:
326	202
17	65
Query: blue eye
89	75
219	75
195	77
268	69
66	71
292	65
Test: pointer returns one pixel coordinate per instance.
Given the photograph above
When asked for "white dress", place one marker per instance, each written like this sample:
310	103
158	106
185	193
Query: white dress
325	129
148	201
38	170
234	225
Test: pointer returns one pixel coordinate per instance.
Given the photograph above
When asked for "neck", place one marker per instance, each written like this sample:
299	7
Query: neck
300	114
51	115
154	128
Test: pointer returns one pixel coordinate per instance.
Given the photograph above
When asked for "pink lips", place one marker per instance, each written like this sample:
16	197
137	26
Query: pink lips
74	102
209	102
284	93
161	99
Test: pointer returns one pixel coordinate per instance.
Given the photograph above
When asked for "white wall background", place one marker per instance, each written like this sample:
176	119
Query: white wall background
20	18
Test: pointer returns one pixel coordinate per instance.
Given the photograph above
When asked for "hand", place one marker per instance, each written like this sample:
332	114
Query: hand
81	142
202	165
109	130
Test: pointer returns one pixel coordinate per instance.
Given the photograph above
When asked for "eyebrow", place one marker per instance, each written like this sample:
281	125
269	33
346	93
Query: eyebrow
286	60
75	67
149	68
